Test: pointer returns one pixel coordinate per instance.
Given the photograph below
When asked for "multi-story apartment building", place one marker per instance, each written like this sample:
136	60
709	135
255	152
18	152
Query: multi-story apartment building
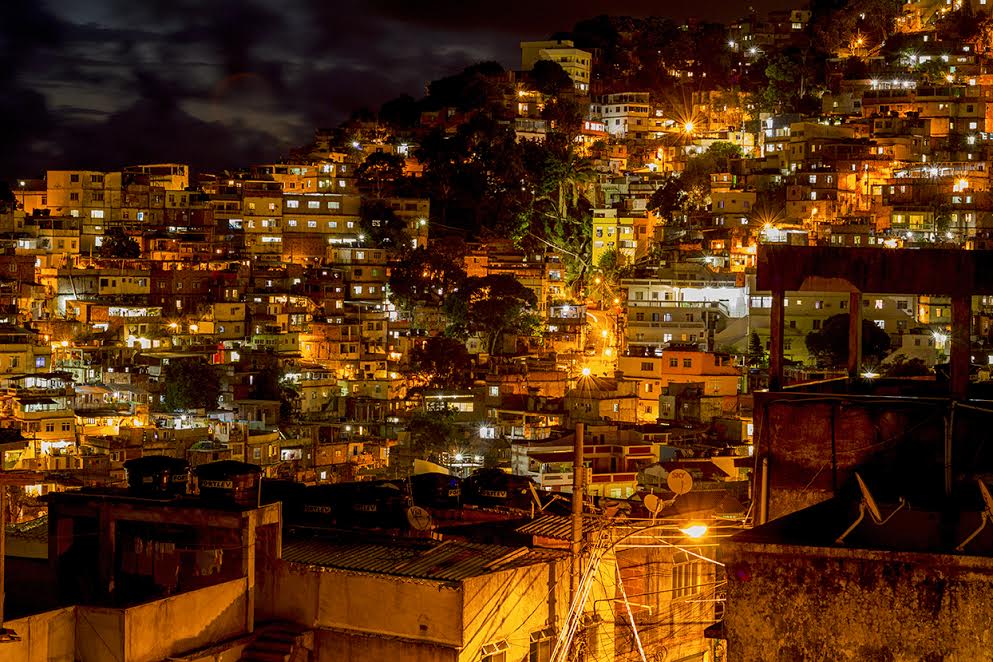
574	61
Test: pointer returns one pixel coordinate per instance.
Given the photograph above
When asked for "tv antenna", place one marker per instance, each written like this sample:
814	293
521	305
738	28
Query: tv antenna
986	515
868	503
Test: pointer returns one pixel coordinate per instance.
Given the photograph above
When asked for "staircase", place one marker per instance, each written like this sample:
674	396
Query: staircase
280	642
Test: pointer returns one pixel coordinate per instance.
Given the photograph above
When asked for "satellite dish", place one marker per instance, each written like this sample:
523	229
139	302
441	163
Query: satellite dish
867	499
868	503
679	481
986	515
418	518
652	503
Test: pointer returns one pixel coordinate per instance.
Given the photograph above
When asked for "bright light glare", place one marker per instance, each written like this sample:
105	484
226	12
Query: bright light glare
695	530
688	127
586	372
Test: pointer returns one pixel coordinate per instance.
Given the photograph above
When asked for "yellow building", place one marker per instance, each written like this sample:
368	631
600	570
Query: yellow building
615	230
574	61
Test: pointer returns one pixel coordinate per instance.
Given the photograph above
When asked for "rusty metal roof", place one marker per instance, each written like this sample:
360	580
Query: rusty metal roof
449	561
558	527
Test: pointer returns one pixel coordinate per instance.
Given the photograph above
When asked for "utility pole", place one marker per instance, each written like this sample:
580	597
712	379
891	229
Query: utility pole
578	472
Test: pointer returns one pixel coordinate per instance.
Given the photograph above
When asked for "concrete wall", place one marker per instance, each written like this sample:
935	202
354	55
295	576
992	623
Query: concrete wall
510	605
192	620
47	637
813	446
334	645
788	603
423	611
100	634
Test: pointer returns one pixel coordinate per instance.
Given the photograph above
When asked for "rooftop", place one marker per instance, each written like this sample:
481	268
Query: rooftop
450	561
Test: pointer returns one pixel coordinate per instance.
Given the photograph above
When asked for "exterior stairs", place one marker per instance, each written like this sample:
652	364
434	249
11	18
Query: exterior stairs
280	642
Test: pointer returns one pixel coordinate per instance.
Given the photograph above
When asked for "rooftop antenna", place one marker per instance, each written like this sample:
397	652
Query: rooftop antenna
987	514
868	503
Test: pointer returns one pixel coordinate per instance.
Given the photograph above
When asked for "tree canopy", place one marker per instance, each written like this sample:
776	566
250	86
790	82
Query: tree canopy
442	362
190	383
117	244
829	344
492	306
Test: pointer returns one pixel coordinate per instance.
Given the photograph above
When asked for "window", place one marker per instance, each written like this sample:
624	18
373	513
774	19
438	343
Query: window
880	323
685	578
292	204
687	363
646	366
313	204
879	304
494	391
673	363
495	652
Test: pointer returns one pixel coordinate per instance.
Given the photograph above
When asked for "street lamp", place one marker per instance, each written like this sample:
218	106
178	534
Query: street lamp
695	531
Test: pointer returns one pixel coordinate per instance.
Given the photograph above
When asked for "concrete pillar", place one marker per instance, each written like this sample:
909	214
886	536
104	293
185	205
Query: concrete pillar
960	345
777	323
108	551
854	335
249	537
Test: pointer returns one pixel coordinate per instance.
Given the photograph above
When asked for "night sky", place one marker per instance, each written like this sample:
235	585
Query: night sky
103	83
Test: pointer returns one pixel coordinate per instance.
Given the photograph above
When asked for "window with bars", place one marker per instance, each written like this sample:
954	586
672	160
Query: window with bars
685	577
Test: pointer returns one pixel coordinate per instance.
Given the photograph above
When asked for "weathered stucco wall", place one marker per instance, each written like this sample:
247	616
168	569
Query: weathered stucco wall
510	605
813	446
788	604
390	606
190	620
333	646
99	634
47	637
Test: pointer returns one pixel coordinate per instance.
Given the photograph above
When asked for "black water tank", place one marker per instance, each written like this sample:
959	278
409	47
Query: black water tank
158	475
229	481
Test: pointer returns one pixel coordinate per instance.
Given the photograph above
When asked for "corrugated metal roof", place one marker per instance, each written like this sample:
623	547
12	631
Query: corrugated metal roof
450	561
556	526
36	529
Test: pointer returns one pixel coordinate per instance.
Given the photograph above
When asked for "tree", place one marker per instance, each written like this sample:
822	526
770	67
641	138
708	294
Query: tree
668	198
117	244
442	362
379	172
829	344
904	367
426	277
433	433
491	306
190	383
550	78
382	226
757	356
401	113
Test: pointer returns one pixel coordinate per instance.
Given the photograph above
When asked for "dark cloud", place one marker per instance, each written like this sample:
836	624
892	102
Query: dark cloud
102	83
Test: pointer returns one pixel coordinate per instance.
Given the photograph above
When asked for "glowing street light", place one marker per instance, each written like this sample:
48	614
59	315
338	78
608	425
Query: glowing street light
688	127
586	371
695	531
